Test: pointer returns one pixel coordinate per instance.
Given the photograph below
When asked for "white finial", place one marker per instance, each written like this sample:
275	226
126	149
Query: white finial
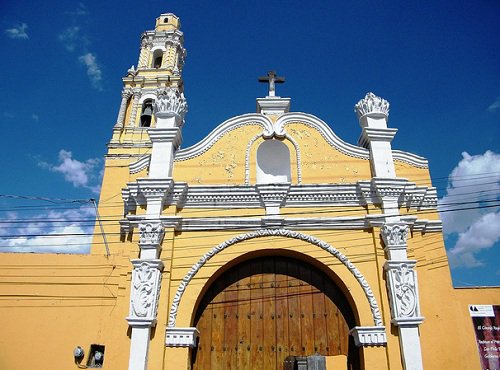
372	104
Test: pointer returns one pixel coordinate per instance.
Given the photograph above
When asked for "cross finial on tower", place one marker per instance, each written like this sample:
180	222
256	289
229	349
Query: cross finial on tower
272	79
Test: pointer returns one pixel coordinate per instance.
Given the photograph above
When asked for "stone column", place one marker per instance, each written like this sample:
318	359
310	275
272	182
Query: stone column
126	93
170	108
135	106
372	112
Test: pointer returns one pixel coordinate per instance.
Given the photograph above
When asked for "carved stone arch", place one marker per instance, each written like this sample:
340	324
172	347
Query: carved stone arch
147	95
375	311
158	47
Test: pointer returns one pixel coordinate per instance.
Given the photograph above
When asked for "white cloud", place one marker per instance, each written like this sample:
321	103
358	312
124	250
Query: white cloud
80	174
68	231
18	32
72	37
475	179
495	105
482	234
93	70
472	183
81	10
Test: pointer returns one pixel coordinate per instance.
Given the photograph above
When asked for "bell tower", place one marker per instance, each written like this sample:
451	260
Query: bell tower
161	59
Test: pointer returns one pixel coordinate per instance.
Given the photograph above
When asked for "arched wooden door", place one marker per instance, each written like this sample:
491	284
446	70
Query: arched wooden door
266	309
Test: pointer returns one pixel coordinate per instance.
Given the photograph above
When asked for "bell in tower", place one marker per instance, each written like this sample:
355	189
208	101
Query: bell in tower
147	112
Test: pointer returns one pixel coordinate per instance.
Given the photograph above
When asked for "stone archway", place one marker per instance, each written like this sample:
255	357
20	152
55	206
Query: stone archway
266	309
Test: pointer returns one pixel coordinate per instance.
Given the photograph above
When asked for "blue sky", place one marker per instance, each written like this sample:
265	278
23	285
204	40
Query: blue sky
437	62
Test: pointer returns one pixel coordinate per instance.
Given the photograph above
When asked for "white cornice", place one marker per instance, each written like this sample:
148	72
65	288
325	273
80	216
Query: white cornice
410	158
293	223
317	195
140	164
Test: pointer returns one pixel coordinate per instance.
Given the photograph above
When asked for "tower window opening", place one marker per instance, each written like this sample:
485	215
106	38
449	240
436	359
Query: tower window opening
165	20
147	113
157	58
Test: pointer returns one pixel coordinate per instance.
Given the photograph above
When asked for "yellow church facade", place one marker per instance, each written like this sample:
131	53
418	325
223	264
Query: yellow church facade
270	244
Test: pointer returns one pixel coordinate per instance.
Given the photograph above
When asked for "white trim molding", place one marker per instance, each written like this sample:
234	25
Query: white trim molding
225	127
139	165
367	336
377	318
181	337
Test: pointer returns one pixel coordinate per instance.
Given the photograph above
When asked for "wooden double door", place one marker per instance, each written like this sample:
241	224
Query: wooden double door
264	310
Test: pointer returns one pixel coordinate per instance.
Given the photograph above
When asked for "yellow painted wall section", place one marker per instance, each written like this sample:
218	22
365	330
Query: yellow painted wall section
223	163
420	176
321	163
52	303
167	22
116	175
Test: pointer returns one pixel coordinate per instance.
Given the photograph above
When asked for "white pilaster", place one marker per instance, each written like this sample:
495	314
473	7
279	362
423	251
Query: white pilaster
144	53
372	112
155	191
135	106
144	294
169	109
409	339
126	93
139	348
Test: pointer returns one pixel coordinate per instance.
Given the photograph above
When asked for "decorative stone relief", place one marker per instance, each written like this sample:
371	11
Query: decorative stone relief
403	291
151	233
170	102
377	318
146	283
395	234
372	104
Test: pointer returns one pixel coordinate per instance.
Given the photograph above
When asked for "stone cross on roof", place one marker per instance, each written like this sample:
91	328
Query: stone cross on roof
272	79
